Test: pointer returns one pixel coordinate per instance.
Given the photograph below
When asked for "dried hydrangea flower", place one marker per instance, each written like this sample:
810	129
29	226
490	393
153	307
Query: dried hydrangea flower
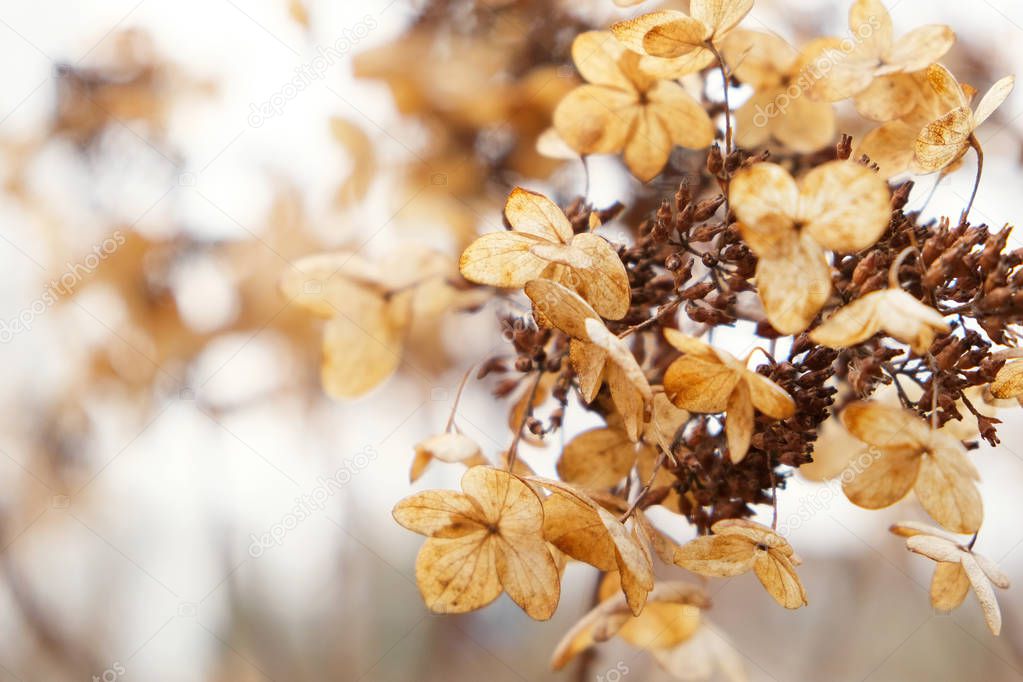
597	355
779	108
708	379
671	616
958	568
944	140
890	310
875	71
910	455
541	244
480	542
738	546
892	145
623	109
675	43
369	308
840	206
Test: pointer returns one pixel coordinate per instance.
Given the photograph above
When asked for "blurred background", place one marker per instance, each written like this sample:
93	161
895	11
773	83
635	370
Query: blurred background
181	501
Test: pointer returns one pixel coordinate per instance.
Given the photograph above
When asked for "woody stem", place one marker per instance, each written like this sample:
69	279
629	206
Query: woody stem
458	397
526	414
975	143
646	487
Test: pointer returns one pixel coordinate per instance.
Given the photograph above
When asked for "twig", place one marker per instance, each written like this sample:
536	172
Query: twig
646	487
526	414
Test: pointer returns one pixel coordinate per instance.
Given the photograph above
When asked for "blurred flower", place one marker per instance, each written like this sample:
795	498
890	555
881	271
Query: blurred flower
623	108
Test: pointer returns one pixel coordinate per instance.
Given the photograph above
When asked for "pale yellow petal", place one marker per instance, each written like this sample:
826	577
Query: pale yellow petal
721	15
1009	381
763	191
528	573
692	62
769	397
596	119
870	23
648	146
665	34
686	121
886	426
440	513
910	321
757	58
555	305
920	48
696	384
753	125
360	353
449	447
603	283
890	147
794	283
887	98
535	214
846	206
993	99
852	324
949	497
806	126
596	55
502	259
884	481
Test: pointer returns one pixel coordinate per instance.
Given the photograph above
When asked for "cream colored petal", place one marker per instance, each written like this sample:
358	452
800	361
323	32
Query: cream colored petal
457	575
761	192
769	397
886	480
887	98
577	639
806	126
717	555
573	527
693	62
908	529
845	75
890	147
502	259
596	55
665	34
598	458
648	145
595	119
794	284
852	324
753	125
943	141
985	595
758	59
528	573
359	354
556	305
441	513
632	32
702	656
550	144
920	48
535	214
949	497
779	578
910	321
1009	381
721	15
739	422
886	426
754	532
871	24
993	99
996	575
603	283
330	284
846	207
949	585
936	548
686	121
449	447
629	399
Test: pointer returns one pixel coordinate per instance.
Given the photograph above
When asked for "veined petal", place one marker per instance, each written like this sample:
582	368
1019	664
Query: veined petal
721	15
920	48
763	191
596	55
794	283
887	98
943	141
885	481
648	145
502	259
993	99
846	207
533	213
687	123
739	422
595	119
